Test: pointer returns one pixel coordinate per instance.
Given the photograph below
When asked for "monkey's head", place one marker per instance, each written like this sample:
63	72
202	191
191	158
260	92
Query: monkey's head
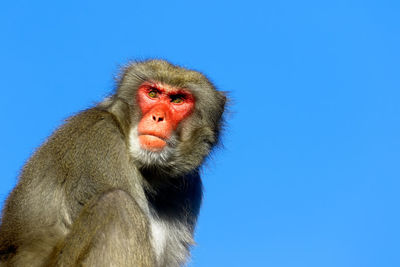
172	115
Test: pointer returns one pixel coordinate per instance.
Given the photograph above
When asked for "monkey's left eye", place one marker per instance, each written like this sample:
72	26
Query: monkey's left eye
177	99
153	93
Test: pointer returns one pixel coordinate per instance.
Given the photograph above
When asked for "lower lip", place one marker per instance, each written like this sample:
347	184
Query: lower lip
151	142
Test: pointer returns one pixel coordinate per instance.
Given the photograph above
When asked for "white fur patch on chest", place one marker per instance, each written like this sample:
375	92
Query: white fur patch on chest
159	235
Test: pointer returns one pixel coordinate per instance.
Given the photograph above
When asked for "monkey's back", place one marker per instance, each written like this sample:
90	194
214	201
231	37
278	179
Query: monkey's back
75	163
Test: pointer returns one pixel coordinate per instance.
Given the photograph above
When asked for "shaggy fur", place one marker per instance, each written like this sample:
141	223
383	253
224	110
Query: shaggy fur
91	196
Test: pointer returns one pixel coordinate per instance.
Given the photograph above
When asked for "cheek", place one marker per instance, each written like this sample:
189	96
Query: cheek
145	104
181	112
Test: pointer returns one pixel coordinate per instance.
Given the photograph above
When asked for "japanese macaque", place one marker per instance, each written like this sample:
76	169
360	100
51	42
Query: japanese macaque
118	184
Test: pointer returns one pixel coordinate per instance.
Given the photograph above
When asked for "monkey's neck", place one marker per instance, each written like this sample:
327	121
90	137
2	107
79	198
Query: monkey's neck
174	198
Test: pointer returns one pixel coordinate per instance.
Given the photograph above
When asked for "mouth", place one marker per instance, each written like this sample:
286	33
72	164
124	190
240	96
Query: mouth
152	142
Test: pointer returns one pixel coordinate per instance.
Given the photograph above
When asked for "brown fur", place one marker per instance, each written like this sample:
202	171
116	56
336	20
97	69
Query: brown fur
85	199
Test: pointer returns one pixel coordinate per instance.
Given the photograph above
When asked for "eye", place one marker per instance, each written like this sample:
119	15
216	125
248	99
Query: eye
153	93
177	99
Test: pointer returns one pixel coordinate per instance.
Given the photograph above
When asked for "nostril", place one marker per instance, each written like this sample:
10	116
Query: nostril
157	118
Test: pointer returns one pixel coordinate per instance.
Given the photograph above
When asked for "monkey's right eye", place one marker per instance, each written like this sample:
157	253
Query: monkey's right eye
153	93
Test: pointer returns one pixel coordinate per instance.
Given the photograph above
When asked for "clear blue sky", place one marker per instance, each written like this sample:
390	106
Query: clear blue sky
309	175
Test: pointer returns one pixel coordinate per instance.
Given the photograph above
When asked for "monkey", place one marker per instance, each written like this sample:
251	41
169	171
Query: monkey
118	184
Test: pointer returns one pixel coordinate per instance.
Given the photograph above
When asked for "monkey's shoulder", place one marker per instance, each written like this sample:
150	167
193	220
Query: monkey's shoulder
90	139
87	127
93	121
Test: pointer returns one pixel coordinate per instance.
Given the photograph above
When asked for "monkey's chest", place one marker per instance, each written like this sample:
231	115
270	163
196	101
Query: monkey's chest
170	241
159	236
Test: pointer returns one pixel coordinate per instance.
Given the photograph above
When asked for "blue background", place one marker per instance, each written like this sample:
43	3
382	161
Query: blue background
309	175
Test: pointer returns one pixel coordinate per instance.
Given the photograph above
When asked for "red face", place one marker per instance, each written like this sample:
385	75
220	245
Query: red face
163	108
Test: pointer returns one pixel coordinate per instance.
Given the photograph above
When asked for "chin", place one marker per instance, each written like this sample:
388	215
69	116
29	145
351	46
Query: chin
150	158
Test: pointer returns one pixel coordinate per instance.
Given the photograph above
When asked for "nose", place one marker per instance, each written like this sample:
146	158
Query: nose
158	116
